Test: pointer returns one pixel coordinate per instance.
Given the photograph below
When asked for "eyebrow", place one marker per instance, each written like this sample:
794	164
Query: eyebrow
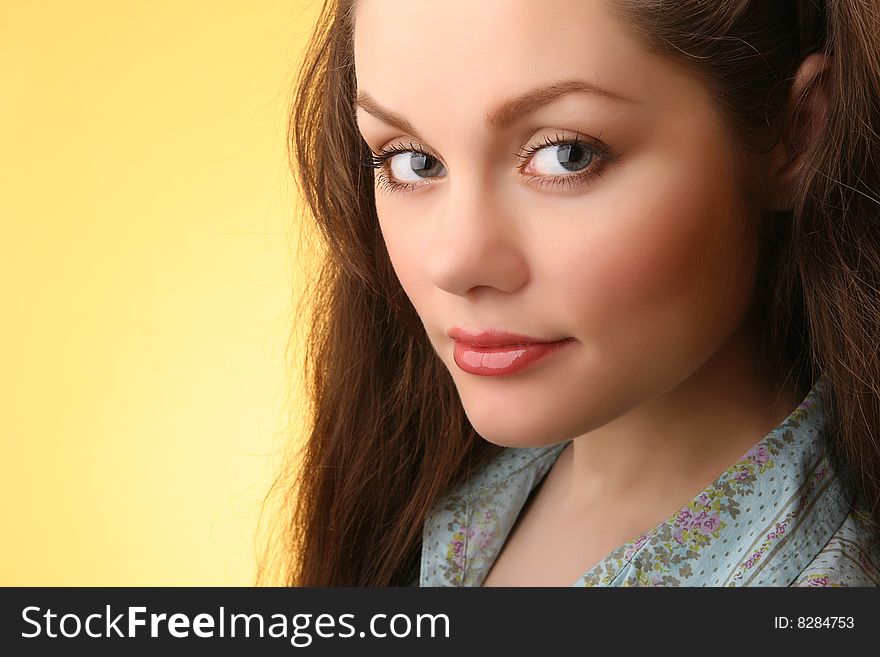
507	113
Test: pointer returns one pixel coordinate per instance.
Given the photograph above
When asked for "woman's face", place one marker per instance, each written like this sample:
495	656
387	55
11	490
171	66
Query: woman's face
635	243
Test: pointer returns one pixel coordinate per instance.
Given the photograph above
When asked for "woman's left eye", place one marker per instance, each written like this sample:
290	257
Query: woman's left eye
558	161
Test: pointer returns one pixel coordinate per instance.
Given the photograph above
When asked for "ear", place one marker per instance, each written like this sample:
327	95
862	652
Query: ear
807	114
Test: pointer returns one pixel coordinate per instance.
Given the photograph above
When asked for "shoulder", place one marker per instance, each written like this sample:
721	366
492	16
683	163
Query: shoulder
851	557
513	472
465	527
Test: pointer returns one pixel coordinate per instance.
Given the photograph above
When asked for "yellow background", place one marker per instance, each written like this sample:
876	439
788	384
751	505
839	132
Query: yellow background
147	284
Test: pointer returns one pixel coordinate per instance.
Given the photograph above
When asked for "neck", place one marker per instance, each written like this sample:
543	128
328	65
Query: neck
667	449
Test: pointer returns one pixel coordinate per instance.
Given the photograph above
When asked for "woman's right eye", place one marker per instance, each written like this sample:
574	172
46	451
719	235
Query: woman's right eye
406	163
400	169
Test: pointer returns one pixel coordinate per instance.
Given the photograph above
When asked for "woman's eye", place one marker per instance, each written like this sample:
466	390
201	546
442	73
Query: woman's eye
560	159
410	166
554	163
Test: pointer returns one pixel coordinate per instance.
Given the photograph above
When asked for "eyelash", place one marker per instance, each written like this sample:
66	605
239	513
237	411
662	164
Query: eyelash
602	157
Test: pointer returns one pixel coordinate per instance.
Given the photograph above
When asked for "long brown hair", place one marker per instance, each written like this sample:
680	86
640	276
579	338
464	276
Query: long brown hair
387	434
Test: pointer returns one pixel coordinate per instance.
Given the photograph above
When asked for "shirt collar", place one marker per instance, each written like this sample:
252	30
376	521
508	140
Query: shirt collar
758	524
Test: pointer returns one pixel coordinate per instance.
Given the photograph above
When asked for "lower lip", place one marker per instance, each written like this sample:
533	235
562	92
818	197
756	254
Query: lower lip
497	361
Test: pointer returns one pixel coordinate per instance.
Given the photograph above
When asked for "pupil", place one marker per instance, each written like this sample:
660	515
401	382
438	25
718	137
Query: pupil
422	164
574	156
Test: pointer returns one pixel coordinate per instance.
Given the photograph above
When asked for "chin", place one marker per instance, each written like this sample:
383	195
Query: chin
512	430
516	413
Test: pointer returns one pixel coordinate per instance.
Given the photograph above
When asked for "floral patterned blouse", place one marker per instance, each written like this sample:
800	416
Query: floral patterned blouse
779	516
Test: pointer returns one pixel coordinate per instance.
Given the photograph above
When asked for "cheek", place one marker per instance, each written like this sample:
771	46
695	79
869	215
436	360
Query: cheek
405	250
668	268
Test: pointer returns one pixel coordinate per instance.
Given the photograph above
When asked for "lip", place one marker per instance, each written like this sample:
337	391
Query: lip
498	353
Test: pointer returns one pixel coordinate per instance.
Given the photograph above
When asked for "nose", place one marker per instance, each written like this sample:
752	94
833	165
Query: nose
477	243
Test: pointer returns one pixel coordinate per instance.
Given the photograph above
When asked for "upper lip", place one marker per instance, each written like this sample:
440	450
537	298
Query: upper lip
496	338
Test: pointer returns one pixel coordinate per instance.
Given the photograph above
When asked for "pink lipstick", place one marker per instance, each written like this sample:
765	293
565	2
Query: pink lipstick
496	353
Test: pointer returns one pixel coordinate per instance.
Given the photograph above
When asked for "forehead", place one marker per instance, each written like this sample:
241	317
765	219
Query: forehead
465	56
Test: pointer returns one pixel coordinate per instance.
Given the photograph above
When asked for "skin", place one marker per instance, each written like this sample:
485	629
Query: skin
650	266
